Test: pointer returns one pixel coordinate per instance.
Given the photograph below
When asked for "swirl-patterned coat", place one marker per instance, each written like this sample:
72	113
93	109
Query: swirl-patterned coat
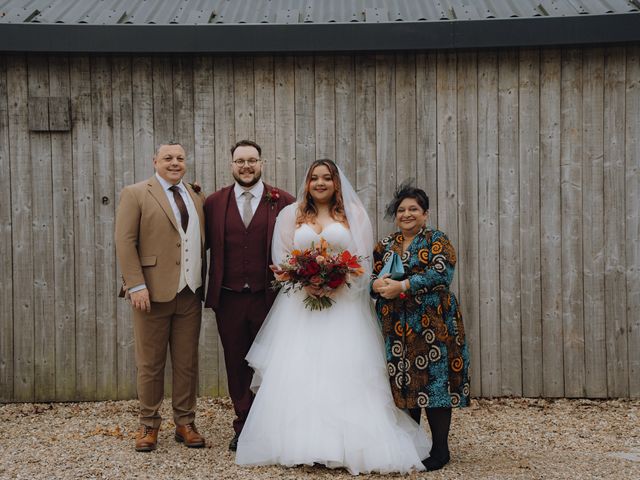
427	355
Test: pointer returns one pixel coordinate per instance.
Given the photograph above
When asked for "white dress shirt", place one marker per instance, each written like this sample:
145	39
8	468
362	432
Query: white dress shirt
257	190
183	193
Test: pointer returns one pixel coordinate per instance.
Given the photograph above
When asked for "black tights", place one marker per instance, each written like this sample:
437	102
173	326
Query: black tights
439	423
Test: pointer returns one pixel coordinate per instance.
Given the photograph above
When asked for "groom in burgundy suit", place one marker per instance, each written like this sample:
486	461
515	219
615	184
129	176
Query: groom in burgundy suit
239	226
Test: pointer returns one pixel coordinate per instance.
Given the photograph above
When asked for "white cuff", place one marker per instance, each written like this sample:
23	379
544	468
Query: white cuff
137	288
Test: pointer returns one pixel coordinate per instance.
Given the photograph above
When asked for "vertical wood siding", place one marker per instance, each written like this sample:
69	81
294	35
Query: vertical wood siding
530	158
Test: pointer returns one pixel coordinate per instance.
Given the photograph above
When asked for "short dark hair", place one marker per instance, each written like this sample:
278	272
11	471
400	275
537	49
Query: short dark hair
247	143
406	190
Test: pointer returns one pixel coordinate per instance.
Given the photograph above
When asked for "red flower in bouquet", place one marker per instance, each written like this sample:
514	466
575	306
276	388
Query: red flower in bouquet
335	280
310	269
318	268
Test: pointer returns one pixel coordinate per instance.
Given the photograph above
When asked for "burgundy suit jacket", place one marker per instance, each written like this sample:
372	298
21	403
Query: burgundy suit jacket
215	210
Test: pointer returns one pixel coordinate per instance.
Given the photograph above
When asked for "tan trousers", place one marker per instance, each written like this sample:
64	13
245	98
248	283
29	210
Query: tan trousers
175	324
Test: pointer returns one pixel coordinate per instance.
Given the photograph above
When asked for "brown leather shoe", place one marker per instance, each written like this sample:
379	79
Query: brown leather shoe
188	434
146	439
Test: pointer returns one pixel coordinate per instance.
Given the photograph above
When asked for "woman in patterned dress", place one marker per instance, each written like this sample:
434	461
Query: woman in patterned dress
427	356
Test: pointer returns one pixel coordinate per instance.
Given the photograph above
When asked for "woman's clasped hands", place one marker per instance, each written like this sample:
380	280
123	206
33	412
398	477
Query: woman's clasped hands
387	287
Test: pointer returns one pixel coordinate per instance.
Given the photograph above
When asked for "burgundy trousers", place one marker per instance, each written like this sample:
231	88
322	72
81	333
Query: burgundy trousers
239	317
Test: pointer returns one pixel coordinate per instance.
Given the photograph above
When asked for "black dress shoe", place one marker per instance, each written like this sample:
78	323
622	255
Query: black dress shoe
233	445
435	462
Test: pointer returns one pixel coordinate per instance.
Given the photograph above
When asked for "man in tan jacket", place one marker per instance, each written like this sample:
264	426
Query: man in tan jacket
160	249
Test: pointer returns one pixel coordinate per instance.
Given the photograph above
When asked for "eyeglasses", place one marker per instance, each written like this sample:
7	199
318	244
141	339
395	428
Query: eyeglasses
251	162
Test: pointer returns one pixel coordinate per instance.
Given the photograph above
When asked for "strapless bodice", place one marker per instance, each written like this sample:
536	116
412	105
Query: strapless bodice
336	234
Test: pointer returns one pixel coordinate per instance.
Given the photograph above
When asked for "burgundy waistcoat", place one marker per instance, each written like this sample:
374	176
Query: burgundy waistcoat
245	249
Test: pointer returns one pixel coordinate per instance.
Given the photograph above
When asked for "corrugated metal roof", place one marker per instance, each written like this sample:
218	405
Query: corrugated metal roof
197	12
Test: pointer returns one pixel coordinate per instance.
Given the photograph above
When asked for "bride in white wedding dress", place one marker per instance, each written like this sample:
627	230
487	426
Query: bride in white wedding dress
323	393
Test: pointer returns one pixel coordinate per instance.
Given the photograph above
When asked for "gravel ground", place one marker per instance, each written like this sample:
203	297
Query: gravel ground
497	439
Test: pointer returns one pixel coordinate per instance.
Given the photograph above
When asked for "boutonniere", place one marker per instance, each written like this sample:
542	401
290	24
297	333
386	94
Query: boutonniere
272	196
196	187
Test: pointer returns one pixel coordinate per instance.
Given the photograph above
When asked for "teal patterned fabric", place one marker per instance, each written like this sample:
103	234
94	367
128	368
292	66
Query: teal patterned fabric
427	355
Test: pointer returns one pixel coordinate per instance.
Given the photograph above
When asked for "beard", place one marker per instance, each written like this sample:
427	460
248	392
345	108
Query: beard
242	183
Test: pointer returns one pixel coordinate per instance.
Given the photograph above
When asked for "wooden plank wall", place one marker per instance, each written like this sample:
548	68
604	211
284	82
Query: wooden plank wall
530	158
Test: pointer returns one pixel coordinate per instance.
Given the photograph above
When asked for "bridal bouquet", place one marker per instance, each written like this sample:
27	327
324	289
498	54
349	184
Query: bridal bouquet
319	268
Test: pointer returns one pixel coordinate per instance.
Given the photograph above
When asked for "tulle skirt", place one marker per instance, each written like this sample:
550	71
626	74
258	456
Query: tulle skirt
323	393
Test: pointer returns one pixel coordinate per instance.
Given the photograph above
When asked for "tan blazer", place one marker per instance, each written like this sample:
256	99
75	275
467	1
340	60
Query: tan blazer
148	240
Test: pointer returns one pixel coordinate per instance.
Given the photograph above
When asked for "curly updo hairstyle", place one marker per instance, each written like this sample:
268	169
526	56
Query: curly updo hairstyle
406	190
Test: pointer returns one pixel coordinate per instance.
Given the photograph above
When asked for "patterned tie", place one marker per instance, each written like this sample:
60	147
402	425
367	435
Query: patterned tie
182	208
247	211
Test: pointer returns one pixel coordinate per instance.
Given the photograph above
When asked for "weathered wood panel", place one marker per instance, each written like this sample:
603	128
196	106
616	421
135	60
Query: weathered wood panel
365	136
632	190
43	277
203	152
345	116
265	121
571	152
63	241
104	225
6	253
304	104
593	219
84	255
615	296
489	368
427	130
447	168
124	174
21	229
405	100
163	121
143	123
529	191
325	107
285	124
551	225
243	97
142	91
224	119
183	109
530	159
386	171
509	218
